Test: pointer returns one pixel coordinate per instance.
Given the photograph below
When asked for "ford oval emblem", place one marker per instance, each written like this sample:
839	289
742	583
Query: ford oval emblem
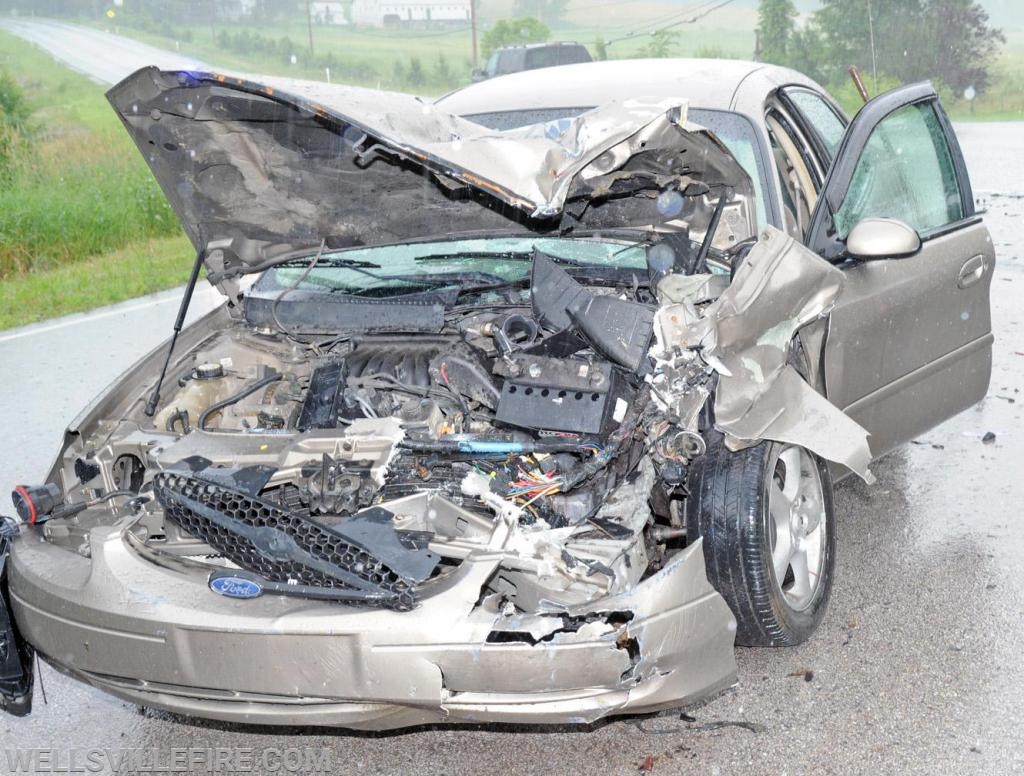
236	587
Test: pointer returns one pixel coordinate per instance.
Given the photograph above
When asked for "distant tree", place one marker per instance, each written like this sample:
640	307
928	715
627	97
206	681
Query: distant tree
776	24
663	43
909	40
443	70
416	75
514	32
600	48
871	34
963	44
808	53
398	72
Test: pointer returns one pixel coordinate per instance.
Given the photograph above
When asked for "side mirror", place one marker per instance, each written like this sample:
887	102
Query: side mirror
872	239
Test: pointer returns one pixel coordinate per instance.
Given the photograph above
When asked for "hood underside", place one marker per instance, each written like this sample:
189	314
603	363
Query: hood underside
257	170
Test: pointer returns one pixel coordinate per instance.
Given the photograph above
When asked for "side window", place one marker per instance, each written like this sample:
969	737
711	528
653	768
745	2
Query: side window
905	171
820	116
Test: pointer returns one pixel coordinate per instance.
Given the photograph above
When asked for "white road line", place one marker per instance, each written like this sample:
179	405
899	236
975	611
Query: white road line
77	320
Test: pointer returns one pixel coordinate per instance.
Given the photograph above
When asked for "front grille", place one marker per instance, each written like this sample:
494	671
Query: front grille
285	547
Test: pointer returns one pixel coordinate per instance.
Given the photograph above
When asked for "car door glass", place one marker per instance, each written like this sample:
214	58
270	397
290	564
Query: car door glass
906	172
821	117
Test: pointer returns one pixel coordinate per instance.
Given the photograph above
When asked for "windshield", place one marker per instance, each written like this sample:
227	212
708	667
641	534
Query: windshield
393	270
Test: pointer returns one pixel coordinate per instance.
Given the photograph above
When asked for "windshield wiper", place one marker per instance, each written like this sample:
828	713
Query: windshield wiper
495	255
328	261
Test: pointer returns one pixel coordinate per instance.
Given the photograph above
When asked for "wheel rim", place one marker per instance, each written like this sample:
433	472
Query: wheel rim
797	525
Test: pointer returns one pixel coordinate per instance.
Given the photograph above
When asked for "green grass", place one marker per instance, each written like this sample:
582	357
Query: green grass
381	58
139	268
77	188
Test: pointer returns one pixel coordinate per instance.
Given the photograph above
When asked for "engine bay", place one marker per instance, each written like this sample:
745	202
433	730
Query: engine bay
549	421
533	412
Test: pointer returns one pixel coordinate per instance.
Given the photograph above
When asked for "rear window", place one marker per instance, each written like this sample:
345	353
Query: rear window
550	56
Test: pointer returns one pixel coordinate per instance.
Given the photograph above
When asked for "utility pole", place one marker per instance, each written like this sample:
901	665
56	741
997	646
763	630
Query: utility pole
309	26
472	24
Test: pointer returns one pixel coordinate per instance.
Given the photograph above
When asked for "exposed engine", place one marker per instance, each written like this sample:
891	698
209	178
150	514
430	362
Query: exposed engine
516	418
546	428
543	399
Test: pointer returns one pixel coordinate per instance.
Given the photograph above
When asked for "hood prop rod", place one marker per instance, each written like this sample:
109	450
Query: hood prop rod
700	261
179	323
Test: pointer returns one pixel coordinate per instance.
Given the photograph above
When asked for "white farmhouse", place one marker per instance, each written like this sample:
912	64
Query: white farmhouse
328	13
380	13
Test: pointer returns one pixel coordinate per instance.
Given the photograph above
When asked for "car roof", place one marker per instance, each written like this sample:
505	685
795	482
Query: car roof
713	84
547	44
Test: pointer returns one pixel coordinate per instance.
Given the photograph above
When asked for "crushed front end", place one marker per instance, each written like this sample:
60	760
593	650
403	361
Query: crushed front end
461	524
420	476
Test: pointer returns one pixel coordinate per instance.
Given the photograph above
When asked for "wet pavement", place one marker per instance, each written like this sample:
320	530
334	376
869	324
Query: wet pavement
916	669
105	57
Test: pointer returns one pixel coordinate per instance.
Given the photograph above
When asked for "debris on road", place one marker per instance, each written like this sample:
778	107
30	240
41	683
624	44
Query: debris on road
806	673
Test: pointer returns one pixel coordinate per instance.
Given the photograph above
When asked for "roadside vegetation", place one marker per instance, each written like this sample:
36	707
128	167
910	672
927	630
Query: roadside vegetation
953	43
949	42
73	187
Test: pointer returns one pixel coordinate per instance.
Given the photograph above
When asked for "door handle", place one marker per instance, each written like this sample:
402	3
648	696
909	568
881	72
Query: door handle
971	272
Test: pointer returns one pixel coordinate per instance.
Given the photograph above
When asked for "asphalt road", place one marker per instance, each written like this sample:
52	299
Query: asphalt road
104	57
916	670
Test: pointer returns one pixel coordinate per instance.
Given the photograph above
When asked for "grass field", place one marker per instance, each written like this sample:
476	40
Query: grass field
77	189
381	58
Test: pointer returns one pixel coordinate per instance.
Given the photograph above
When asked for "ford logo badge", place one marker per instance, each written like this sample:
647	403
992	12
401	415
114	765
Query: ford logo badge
236	587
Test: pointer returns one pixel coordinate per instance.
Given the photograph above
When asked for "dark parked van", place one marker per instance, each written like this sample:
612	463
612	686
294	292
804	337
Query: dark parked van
514	59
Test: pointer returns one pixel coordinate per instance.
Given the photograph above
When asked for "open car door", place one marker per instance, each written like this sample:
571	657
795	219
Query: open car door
910	338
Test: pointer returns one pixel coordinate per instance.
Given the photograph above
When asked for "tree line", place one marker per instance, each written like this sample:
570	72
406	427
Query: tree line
949	41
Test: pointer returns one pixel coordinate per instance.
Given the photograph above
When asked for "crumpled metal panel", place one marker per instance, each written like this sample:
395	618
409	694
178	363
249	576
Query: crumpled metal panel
255	171
531	167
745	336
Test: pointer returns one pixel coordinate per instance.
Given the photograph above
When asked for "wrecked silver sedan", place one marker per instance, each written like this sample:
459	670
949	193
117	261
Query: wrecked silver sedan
521	424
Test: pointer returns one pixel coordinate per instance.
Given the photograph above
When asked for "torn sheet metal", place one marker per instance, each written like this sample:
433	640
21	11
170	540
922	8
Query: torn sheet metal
745	337
258	170
531	167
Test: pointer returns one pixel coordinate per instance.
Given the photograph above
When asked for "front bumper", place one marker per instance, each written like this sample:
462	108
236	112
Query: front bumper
159	637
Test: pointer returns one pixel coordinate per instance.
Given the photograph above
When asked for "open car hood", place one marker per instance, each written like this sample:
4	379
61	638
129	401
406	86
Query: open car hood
258	170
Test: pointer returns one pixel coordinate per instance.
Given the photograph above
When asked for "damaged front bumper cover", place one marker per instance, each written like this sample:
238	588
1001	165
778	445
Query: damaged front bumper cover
158	637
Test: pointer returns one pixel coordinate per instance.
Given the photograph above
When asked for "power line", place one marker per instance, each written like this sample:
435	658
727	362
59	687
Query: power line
643	28
690	20
574	8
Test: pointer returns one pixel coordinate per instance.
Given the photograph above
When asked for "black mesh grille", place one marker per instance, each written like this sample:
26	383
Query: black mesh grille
278	545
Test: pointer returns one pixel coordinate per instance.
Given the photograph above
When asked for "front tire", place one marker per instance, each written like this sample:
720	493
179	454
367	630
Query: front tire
766	516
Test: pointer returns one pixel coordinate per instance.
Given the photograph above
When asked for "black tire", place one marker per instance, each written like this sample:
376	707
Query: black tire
728	507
